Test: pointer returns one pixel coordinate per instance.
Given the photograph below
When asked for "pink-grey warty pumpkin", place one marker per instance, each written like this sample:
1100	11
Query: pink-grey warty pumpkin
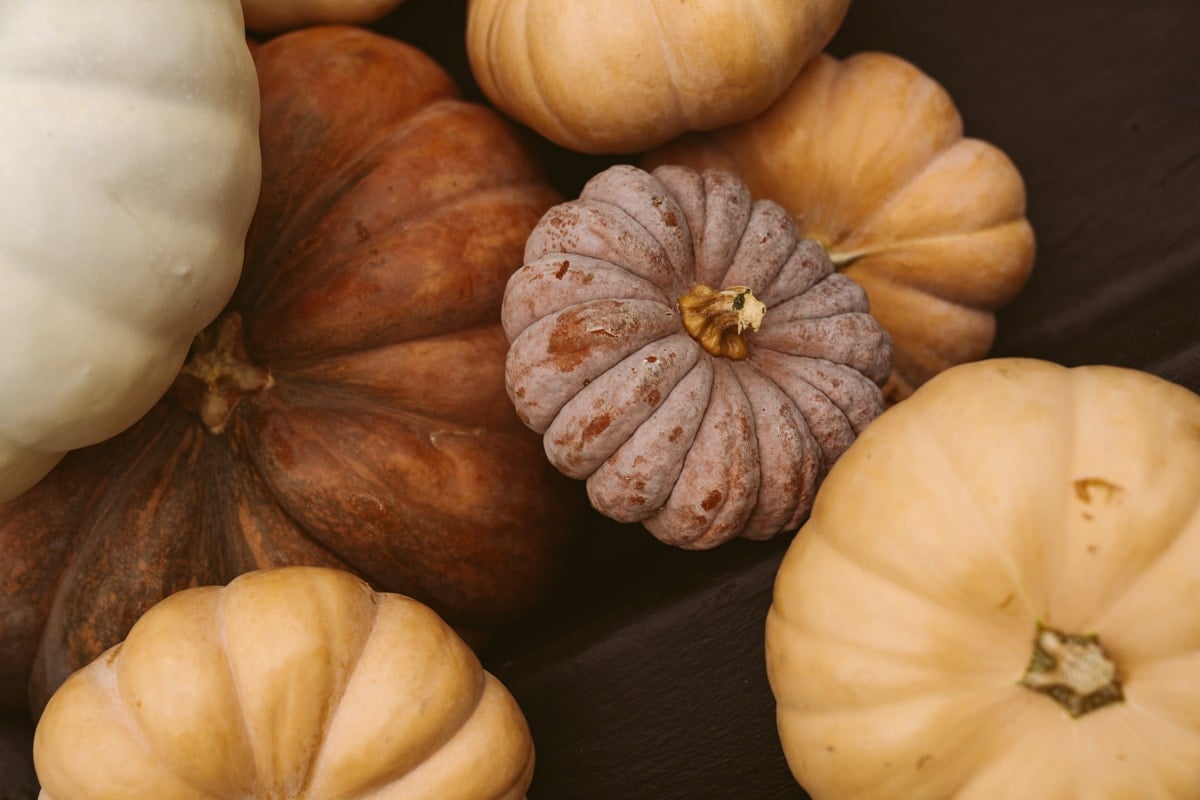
684	350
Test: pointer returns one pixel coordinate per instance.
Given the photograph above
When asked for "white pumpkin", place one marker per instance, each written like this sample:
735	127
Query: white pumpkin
129	171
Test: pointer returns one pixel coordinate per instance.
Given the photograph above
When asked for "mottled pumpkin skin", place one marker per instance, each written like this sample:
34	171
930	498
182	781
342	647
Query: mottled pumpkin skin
868	154
372	432
699	448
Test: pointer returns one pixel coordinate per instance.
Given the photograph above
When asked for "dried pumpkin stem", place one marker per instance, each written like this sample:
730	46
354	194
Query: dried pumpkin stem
716	319
218	373
1073	670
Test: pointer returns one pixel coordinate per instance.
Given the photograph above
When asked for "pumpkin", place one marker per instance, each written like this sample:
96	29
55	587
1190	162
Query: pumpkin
685	352
622	76
291	682
347	409
130	174
868	154
272	16
995	595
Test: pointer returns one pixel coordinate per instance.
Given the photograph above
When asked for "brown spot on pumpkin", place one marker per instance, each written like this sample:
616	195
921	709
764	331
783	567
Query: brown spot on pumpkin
636	500
651	359
711	500
574	338
360	231
596	427
676	432
1007	601
563	266
924	760
670	220
1094	489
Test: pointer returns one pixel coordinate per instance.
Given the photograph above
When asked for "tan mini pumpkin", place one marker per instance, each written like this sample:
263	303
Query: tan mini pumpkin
619	76
293	682
686	352
996	595
868	154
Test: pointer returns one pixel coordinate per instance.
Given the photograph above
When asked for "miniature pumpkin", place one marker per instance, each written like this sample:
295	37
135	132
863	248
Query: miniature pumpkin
272	16
685	352
348	408
868	154
130	174
995	595
291	682
622	76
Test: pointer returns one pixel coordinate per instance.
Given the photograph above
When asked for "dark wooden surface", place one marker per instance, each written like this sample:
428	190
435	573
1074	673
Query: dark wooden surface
643	676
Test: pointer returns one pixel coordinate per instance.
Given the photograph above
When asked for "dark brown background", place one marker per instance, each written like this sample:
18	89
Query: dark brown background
643	676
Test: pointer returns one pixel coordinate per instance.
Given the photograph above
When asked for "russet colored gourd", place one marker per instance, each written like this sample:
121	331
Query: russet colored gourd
347	408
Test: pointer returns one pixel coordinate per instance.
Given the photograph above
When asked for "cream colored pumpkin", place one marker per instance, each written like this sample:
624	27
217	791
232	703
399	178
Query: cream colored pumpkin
271	16
868	154
291	682
619	76
928	634
129	170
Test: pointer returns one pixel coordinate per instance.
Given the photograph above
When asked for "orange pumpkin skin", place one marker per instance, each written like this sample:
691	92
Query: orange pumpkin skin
348	409
868	154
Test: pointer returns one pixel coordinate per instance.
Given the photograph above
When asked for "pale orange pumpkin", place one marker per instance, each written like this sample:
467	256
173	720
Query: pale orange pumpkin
869	155
291	682
620	76
996	595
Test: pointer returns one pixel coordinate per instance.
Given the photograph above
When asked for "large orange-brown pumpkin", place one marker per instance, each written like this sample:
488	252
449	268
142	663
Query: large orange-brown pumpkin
347	409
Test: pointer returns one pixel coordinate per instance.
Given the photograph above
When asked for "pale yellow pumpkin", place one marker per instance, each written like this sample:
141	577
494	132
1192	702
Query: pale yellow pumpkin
619	76
996	595
869	155
272	16
285	683
129	171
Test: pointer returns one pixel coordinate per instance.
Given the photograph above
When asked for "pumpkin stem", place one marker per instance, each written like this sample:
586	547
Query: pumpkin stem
218	373
716	319
1073	670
